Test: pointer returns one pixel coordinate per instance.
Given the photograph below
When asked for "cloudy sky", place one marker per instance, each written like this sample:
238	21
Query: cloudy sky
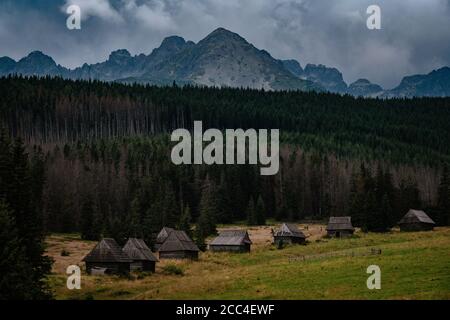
415	34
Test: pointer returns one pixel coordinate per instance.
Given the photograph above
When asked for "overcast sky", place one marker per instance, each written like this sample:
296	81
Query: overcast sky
415	34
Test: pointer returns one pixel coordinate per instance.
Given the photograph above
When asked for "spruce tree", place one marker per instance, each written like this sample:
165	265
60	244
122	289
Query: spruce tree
252	219
185	221
16	281
90	229
134	219
444	197
260	212
208	208
170	207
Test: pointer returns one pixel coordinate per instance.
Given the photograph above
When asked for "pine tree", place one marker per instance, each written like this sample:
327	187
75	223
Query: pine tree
204	228
134	223
208	208
224	214
28	220
260	212
443	206
170	207
16	282
185	221
89	223
252	219
24	209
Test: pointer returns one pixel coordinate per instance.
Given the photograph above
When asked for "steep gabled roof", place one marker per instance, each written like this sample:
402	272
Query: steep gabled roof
178	241
414	216
290	230
107	250
163	234
232	238
137	249
340	223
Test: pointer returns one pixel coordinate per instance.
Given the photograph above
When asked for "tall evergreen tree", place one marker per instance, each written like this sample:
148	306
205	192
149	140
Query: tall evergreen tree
444	197
208	208
185	221
16	191
252	219
170	207
260	212
16	281
90	227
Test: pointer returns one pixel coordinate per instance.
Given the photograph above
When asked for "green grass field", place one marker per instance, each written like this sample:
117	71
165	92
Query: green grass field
413	266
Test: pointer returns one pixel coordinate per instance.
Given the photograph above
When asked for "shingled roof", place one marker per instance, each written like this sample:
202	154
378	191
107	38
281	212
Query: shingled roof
107	250
138	250
163	234
414	216
289	230
340	223
232	238
178	241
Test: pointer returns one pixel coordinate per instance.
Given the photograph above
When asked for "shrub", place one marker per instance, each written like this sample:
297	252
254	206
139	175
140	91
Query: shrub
65	253
173	269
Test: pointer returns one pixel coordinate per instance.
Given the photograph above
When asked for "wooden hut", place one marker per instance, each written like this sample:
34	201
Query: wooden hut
178	245
161	237
109	257
289	233
416	220
140	253
340	227
231	240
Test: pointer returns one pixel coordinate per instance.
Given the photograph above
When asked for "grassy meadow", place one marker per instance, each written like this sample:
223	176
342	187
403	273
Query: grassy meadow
413	266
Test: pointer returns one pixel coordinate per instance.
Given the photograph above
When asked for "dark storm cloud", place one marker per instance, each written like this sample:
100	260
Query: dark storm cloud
415	35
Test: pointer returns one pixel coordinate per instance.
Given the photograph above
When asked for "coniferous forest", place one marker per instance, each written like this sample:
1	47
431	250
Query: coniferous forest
94	158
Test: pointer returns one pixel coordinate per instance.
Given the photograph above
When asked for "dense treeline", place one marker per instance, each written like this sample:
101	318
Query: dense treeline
106	156
129	187
399	130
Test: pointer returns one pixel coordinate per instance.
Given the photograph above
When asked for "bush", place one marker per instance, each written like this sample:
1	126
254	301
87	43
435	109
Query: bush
65	253
173	269
143	275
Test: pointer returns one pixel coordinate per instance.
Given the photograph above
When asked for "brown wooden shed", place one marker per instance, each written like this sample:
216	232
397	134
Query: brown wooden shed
140	253
231	240
289	233
340	227
178	245
161	237
107	254
416	220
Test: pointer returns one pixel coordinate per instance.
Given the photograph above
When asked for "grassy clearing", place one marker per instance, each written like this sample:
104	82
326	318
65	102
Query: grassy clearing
413	266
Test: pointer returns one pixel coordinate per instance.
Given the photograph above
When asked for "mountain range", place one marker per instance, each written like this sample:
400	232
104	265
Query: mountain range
224	59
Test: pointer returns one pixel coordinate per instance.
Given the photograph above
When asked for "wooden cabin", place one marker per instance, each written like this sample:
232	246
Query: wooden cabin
416	220
161	237
178	245
231	240
340	227
140	253
289	234
108	257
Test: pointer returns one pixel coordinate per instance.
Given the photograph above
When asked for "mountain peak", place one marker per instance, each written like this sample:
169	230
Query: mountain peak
6	64
223	34
38	58
36	53
121	53
173	41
